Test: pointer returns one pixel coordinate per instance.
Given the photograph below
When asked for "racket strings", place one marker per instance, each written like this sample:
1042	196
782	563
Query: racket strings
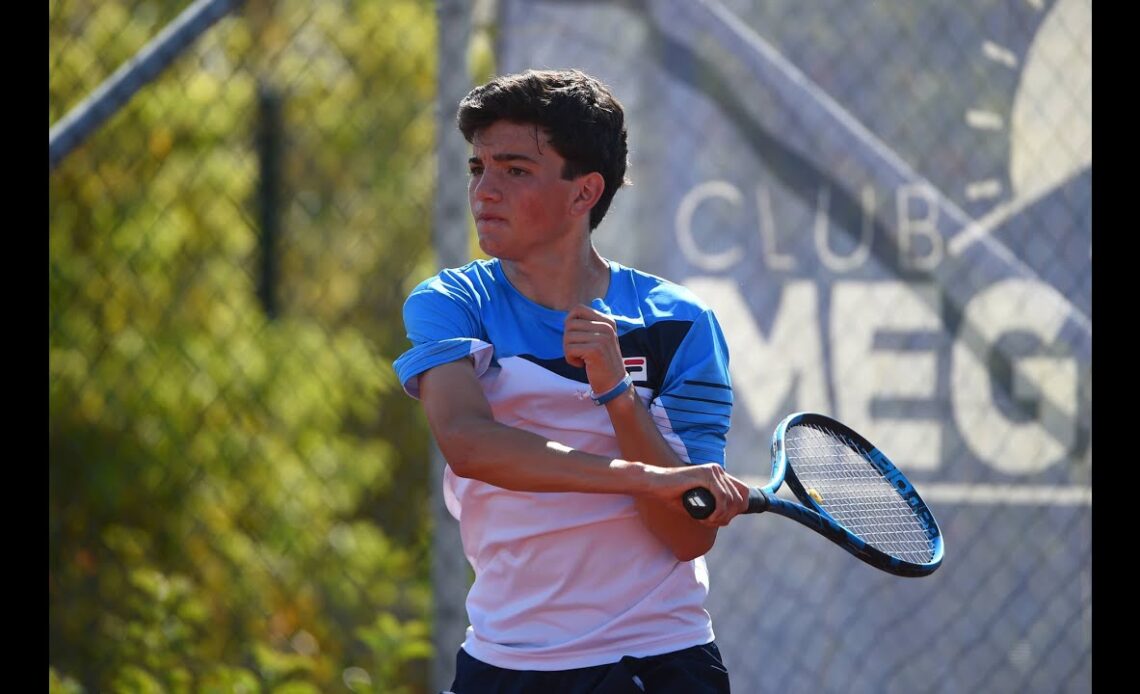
856	494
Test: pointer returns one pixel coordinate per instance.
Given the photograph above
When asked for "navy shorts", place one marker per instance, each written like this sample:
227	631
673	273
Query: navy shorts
696	670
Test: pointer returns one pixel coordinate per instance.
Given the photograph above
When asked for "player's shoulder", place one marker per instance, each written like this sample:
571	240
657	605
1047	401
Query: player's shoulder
471	281
666	299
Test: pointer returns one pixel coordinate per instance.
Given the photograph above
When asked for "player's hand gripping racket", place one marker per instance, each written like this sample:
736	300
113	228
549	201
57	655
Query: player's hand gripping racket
851	494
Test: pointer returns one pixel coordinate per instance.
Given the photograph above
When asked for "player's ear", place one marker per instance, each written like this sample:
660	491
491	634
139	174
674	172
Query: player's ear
587	191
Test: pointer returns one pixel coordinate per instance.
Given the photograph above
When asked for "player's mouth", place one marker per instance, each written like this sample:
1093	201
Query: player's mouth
484	219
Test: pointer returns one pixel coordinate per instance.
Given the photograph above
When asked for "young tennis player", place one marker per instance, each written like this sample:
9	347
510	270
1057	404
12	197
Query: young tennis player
575	400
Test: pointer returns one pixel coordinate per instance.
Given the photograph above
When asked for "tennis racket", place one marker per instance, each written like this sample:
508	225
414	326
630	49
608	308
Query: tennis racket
849	492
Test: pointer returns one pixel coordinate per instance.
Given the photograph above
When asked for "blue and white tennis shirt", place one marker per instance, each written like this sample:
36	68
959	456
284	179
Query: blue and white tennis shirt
569	580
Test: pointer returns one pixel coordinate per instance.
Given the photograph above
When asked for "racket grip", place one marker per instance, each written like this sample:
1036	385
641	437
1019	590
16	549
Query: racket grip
699	502
757	501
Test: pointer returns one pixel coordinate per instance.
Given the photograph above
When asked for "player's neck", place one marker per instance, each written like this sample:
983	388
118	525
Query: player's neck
559	282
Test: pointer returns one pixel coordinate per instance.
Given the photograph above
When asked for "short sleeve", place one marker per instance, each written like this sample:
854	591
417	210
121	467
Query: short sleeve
696	392
441	317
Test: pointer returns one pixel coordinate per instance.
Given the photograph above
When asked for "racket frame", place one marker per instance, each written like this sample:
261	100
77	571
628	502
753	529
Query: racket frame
811	514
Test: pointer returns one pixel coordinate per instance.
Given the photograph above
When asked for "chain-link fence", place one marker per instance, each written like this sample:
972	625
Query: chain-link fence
887	204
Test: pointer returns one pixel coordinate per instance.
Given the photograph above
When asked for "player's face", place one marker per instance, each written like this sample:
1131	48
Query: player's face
520	202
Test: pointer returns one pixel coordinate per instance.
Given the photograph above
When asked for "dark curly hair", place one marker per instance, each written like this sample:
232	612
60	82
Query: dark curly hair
585	123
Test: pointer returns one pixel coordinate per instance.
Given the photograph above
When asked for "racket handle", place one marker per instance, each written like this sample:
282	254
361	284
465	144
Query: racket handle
757	501
700	503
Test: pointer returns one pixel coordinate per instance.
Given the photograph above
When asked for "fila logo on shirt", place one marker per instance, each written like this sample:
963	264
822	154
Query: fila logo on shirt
638	368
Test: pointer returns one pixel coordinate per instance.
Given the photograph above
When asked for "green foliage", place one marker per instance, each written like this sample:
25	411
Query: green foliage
238	503
394	643
61	684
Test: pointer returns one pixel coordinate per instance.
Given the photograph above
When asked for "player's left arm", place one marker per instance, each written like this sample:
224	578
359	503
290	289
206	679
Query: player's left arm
590	340
640	439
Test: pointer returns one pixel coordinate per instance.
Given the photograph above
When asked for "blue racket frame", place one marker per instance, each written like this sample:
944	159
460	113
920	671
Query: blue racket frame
700	504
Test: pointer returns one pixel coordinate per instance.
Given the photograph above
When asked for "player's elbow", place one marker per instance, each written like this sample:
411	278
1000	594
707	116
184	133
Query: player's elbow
459	457
691	551
460	446
688	556
466	451
686	538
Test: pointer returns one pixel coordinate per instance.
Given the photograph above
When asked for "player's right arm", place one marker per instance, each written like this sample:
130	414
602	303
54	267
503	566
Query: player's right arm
476	446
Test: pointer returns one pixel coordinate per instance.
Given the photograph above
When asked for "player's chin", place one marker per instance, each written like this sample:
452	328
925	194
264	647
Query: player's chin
501	251
493	245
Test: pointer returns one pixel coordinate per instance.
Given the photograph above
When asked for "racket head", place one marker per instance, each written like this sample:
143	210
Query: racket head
836	472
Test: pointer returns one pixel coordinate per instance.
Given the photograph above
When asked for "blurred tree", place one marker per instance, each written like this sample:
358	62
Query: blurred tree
238	503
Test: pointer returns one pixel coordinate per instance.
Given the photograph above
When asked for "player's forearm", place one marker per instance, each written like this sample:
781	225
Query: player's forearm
639	439
637	435
522	461
477	446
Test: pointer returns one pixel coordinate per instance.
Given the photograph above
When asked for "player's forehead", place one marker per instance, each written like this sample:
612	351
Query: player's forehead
510	137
